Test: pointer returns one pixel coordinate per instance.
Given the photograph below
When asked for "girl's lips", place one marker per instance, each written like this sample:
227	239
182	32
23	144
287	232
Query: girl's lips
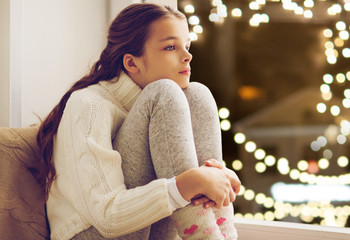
186	72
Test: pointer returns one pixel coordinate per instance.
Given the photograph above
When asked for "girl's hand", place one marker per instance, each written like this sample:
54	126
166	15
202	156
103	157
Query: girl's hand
209	181
202	200
235	182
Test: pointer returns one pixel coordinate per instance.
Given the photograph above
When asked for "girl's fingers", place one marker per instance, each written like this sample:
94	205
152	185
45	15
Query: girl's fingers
200	201
213	163
235	182
209	204
232	196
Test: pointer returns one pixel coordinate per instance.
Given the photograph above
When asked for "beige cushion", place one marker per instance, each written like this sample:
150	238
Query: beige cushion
22	202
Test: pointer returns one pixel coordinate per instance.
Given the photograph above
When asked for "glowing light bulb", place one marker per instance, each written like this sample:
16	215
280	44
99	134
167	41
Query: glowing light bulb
303	165
323	163
268	203
250	146
269	216
328	154
332	59
338	42
259	154
343	161
270	160
346	52
214	17
193	36
294	174
328	33
308	14
222	10
340	25
335	110
239	138
327	96
315	146
347	6
340	78
260	198
265	18
242	190
309	3
198	29
322	141
237	165
325	88
193	20
329	45
299	10
254	6
225	125
249	194
321	107
328	78
189	8
260	167
224	113
236	12
261	2
341	139
283	166
344	35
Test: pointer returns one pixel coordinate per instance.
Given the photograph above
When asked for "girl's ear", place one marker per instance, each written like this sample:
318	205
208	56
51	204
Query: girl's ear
129	63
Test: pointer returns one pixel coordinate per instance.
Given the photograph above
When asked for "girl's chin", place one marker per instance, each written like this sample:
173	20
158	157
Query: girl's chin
183	84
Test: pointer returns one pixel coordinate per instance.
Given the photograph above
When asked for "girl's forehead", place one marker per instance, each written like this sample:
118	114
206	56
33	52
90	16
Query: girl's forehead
169	27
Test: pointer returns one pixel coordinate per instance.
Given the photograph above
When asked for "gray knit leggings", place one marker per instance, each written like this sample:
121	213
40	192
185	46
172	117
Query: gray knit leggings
167	131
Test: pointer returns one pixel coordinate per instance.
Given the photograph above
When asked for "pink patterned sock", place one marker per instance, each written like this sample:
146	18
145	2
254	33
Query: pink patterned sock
196	222
225	221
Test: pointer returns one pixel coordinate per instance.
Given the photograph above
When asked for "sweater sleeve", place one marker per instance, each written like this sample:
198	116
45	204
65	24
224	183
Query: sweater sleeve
98	191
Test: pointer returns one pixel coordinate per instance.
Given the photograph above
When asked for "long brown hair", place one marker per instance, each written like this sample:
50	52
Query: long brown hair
127	34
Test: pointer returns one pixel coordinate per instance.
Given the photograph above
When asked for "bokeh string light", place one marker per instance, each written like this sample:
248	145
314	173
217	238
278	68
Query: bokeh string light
336	38
283	165
304	9
330	214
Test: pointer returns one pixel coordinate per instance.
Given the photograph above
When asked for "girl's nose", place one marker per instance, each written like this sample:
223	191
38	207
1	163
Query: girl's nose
188	57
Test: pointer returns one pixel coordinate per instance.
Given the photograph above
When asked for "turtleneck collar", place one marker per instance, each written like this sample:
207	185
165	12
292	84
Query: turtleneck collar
123	89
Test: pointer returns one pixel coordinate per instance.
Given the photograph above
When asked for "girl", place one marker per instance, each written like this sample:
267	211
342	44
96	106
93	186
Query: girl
123	147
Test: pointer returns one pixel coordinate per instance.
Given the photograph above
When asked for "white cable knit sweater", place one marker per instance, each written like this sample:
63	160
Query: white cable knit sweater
89	189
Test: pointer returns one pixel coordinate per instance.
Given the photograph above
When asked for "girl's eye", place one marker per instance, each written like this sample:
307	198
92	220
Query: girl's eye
170	48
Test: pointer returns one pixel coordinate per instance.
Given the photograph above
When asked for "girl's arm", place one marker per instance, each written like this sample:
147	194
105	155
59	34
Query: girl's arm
216	182
231	175
90	180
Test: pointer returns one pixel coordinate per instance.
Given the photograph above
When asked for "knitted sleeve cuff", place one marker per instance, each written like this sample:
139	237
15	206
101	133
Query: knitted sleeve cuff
176	200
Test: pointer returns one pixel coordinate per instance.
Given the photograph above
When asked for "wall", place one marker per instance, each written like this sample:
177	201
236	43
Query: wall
61	39
4	63
46	46
172	3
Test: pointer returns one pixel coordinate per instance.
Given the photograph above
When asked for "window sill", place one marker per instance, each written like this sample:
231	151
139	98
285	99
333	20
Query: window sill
249	229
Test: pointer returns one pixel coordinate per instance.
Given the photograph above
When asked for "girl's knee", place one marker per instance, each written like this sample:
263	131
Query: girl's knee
165	91
199	92
198	89
164	87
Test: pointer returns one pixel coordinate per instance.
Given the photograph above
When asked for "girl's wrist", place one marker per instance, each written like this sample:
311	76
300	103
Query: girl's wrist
188	183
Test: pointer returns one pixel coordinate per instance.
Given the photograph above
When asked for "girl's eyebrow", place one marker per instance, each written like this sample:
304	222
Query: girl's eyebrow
172	38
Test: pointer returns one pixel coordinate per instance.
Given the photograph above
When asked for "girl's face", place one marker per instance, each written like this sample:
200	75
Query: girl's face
166	53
